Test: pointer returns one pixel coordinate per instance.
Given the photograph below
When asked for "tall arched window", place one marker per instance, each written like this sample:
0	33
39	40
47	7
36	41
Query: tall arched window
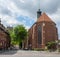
39	34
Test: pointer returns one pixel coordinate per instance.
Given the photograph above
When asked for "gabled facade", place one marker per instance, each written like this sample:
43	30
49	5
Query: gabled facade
44	30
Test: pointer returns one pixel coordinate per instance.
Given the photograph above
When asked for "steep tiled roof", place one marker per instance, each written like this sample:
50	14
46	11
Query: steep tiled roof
3	28
44	17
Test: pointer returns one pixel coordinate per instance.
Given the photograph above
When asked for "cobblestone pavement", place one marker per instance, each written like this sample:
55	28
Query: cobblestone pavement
21	53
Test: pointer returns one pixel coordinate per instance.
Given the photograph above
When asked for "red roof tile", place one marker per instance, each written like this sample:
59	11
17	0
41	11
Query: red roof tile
44	17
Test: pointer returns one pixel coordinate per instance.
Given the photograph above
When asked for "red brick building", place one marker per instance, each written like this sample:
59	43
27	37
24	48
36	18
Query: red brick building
42	31
4	37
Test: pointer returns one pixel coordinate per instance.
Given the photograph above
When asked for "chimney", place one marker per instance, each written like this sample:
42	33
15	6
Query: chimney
38	13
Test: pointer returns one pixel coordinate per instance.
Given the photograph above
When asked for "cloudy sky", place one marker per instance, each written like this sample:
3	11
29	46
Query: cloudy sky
13	12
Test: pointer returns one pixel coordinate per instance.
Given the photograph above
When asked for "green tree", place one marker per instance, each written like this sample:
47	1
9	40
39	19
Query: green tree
20	33
13	37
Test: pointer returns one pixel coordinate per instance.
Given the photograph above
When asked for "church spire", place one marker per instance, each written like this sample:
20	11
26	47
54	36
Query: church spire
39	12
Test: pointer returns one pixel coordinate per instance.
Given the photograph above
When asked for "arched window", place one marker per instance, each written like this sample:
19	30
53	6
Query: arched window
39	34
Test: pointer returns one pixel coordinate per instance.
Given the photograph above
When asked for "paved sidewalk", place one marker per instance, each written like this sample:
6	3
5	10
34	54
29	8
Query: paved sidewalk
22	53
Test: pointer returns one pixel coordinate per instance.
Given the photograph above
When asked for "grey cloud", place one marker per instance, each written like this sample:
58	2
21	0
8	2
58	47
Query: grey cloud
31	6
50	7
28	6
5	11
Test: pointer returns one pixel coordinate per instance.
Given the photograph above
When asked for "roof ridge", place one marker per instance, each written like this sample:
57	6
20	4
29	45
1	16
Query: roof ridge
44	17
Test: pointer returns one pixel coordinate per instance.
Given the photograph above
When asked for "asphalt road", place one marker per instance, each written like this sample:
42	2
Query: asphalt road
21	53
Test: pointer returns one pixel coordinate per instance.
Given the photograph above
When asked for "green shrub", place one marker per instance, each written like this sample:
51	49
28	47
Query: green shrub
51	45
59	49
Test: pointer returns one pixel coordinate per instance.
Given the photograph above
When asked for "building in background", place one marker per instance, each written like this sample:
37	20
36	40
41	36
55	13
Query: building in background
9	28
44	30
4	37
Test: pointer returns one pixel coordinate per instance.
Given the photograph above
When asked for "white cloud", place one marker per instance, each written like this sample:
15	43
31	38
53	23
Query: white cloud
22	1
27	27
9	20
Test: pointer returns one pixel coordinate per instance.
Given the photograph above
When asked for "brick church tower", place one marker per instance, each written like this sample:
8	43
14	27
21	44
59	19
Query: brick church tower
42	31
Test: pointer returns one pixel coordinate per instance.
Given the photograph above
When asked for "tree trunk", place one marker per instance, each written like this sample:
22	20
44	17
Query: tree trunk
22	44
